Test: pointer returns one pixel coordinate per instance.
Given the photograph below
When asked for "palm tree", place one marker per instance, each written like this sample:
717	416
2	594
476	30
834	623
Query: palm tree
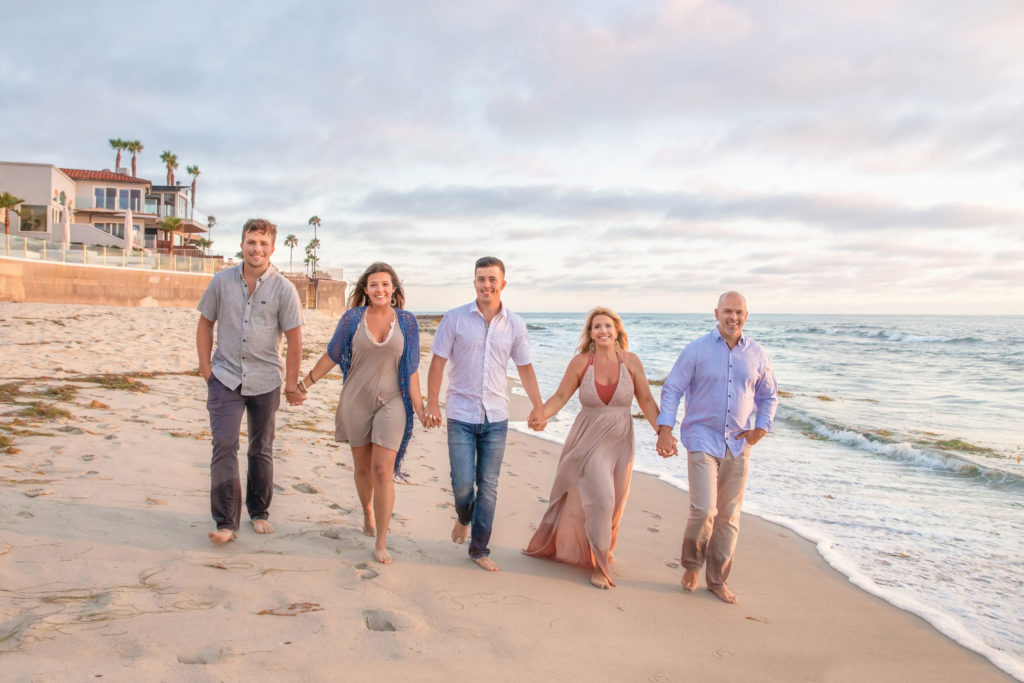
210	222
311	257
7	202
119	145
194	172
291	241
170	159
315	222
134	147
170	225
204	244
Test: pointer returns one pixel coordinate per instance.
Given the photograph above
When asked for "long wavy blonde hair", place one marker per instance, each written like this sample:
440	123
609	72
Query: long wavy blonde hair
621	339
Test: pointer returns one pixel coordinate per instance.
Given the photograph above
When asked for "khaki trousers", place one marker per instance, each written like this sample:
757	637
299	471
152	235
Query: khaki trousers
716	495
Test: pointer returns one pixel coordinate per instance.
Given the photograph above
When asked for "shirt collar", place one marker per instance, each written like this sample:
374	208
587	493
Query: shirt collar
718	337
502	312
241	272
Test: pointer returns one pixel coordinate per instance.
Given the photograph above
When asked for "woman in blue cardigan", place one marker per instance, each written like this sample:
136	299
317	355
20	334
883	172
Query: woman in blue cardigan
377	346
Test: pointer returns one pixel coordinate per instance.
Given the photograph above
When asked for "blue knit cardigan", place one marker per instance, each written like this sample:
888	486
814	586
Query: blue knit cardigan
340	351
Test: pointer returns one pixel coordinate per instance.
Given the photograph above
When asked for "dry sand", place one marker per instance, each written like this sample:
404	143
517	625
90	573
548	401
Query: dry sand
106	571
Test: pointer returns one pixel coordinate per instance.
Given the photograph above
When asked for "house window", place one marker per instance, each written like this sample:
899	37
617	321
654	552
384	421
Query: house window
118	198
33	218
115	229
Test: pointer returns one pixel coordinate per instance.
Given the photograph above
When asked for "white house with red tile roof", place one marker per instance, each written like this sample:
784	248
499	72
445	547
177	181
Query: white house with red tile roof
98	202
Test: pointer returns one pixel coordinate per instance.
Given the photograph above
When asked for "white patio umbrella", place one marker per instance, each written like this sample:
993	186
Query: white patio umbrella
66	237
128	231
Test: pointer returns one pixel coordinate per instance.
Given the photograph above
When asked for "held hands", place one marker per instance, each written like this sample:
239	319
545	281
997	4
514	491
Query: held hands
666	443
536	421
431	416
752	435
295	397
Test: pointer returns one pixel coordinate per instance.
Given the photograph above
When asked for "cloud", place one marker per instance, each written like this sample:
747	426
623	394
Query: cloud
828	212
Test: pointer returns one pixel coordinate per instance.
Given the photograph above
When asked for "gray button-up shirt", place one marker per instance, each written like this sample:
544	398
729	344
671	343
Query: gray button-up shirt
249	327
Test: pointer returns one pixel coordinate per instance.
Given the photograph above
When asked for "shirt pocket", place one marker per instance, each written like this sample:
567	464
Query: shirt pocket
264	312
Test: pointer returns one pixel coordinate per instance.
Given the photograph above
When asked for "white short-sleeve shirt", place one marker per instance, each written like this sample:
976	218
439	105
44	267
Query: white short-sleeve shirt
477	355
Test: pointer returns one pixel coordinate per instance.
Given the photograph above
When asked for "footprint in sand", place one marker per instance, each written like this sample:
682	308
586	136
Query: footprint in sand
672	564
365	572
542	500
652	529
88	457
654	515
389	620
208	655
306	487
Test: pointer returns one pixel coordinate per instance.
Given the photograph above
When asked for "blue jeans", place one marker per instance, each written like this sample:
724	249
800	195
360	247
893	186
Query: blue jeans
475	452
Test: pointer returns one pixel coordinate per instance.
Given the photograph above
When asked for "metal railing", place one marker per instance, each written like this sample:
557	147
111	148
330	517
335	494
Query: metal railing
16	246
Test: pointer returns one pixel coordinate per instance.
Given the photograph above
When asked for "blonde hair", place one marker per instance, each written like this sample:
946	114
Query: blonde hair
621	339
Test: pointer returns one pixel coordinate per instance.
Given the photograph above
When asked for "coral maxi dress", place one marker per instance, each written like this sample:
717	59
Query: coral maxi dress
592	480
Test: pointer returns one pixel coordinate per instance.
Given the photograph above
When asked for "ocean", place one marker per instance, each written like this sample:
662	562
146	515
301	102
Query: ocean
898	448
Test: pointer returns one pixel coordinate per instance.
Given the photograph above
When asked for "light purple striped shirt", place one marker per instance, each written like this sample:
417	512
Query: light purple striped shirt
723	387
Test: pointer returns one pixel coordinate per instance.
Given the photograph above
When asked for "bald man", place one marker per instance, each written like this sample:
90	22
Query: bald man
725	376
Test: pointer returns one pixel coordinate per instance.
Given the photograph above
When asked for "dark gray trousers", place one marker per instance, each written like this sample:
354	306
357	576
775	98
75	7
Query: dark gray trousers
226	407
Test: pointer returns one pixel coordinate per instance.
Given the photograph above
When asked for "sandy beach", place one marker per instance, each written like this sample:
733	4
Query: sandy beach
106	570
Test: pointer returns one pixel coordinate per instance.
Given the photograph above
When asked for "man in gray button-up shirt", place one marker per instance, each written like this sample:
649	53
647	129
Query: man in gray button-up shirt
252	305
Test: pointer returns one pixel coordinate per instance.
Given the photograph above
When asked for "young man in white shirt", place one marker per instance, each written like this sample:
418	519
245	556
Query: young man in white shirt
477	340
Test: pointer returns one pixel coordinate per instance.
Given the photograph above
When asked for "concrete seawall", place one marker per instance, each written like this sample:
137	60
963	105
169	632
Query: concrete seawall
45	282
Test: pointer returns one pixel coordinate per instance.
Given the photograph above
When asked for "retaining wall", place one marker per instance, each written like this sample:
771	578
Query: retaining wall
64	283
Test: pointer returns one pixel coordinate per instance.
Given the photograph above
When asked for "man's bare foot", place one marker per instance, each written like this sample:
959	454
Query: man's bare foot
690	579
598	579
369	527
222	536
487	563
262	526
382	555
724	594
460	532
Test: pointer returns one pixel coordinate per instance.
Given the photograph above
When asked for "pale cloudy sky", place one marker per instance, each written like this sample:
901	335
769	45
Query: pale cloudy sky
820	156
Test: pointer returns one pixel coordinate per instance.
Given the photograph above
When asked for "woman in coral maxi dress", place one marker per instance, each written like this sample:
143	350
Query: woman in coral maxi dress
592	479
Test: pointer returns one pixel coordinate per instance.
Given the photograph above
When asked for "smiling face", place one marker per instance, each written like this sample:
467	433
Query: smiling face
731	314
257	248
488	282
379	289
603	332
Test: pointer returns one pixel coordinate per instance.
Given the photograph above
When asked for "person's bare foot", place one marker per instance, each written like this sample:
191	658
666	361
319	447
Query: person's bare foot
724	594
262	526
460	532
369	527
598	579
382	555
221	536
487	563
690	579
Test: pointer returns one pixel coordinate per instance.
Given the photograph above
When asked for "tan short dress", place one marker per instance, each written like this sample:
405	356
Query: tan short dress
371	409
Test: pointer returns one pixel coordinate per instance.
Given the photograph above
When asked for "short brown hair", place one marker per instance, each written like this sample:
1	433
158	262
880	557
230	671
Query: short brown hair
260	225
621	340
487	262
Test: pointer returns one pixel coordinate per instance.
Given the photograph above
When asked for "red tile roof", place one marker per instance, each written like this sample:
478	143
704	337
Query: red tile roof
80	174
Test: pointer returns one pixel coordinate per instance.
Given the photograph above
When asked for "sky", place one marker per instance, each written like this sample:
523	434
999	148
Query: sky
819	156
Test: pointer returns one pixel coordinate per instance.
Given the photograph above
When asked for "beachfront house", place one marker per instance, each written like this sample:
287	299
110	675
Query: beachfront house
47	192
97	203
